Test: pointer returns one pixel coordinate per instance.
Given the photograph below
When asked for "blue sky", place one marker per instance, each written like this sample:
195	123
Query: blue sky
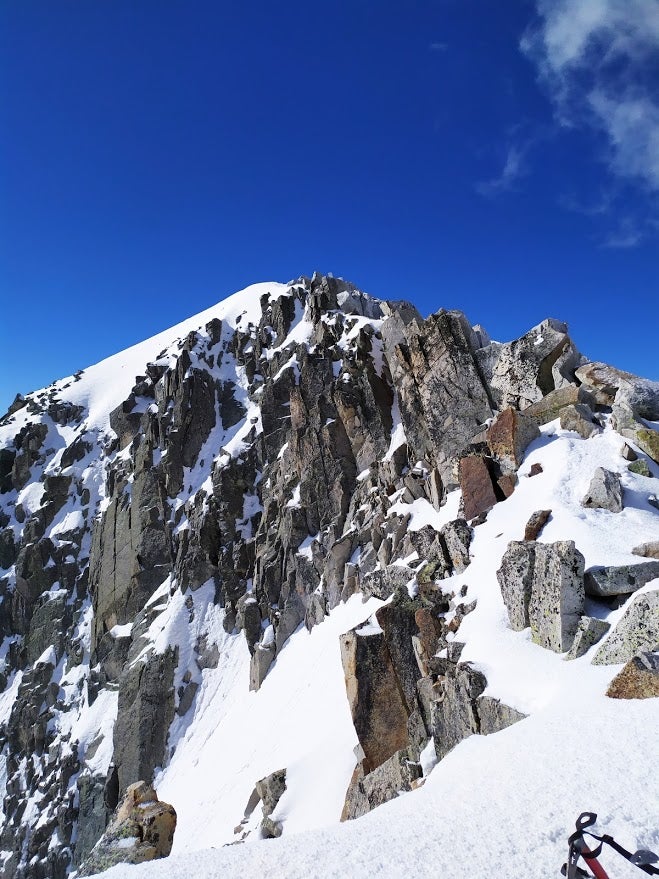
499	158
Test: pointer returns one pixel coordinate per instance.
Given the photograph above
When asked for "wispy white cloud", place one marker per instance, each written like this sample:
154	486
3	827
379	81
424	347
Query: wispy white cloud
438	47
513	169
520	140
599	60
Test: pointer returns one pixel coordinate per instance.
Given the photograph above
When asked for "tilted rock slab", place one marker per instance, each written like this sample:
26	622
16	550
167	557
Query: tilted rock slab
605	582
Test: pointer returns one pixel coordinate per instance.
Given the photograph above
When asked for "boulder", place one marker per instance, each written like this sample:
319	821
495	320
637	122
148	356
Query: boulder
515	578
637	630
648	441
142	829
508	437
580	419
536	523
495	715
639	679
454	715
628	453
262	659
478	494
381	583
557	595
640	467
542	586
522	372
270	790
648	550
456	537
604	492
605	582
551	405
589	631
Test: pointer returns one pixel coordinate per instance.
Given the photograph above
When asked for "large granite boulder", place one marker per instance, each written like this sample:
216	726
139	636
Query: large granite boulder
542	586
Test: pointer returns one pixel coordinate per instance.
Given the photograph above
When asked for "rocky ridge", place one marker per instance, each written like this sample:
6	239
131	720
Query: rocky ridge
256	465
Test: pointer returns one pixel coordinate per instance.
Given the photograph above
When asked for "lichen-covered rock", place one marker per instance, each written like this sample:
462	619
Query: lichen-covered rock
640	467
515	578
589	631
639	679
557	595
456	537
142	829
378	707
521	372
604	492
542	586
638	630
604	582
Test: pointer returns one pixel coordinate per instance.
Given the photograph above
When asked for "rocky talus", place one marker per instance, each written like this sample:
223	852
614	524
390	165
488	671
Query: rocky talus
255	465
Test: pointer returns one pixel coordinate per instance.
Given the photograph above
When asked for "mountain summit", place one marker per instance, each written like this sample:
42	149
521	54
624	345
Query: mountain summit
307	551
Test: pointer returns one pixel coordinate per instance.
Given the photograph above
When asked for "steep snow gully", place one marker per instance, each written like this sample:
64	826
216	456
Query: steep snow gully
348	587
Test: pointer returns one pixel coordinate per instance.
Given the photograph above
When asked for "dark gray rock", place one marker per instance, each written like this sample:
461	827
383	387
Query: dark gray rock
145	713
605	582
